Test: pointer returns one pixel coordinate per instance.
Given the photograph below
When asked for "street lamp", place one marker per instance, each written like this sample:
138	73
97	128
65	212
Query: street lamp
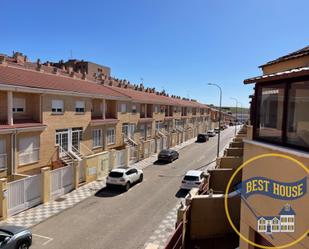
236	101
218	145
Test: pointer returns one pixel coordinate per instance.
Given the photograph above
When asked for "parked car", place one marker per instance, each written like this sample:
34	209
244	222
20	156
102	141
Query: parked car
216	130
211	133
15	237
202	137
193	179
168	155
124	177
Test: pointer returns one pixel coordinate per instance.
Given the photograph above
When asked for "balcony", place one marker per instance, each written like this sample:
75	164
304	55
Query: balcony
19	110
103	112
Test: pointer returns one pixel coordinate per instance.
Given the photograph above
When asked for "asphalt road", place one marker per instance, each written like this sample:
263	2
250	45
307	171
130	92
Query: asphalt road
114	219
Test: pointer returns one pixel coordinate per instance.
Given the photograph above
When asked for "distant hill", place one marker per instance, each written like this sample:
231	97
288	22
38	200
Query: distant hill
232	109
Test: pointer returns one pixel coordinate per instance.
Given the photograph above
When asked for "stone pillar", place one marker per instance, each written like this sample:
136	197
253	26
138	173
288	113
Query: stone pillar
10	108
3	198
76	167
127	156
46	191
112	159
103	109
218	161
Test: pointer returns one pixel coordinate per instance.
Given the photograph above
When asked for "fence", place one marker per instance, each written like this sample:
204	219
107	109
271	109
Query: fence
61	181
133	154
152	147
24	193
120	158
82	173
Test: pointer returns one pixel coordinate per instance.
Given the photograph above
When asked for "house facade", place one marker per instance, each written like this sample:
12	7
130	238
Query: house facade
52	114
280	125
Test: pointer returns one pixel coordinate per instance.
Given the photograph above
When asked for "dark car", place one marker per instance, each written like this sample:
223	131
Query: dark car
15	237
203	137
168	155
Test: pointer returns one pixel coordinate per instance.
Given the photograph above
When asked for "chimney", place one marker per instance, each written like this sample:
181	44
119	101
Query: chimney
69	70
39	65
3	60
84	76
19	57
55	71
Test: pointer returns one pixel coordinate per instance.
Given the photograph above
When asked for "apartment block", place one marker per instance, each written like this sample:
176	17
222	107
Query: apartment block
53	113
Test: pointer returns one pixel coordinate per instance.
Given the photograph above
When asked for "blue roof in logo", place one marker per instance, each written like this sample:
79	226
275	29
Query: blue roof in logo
287	210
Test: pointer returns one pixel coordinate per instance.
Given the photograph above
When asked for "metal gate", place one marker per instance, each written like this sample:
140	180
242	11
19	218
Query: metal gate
152	147
165	145
24	194
133	154
120	158
82	173
61	181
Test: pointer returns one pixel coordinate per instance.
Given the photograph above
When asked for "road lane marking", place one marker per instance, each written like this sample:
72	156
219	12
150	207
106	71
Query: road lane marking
48	239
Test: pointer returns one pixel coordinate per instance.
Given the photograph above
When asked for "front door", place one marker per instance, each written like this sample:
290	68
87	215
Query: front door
68	139
62	139
76	138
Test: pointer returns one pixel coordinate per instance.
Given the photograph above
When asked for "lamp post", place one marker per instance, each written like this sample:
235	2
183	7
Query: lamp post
218	145
236	101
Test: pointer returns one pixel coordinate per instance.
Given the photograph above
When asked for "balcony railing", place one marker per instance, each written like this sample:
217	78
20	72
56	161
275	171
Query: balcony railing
3	161
29	156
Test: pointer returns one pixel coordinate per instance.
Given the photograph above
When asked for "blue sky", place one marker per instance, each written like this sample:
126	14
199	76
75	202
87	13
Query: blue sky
174	45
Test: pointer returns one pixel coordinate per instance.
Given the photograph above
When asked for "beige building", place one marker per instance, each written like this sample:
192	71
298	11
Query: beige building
280	124
51	115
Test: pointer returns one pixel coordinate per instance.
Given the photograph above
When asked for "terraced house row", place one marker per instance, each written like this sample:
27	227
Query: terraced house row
55	114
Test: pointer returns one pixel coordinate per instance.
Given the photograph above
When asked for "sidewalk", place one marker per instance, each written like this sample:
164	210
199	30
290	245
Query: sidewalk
167	226
42	212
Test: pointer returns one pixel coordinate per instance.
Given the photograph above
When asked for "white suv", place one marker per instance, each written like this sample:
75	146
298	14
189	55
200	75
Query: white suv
193	179
124	176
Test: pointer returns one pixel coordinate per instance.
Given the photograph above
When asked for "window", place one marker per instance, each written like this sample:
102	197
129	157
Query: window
271	99
3	155
134	109
148	131
19	105
262	228
281	116
110	136
123	108
290	219
57	106
162	109
156	109
97	138
28	150
284	219
142	130
298	118
80	106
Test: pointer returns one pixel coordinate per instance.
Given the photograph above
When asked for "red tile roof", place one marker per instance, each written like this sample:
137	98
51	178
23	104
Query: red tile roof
29	78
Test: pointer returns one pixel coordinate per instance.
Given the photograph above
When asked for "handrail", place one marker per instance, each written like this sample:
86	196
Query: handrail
66	152
73	152
132	141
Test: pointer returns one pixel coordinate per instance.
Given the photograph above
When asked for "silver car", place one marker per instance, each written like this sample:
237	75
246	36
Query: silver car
15	237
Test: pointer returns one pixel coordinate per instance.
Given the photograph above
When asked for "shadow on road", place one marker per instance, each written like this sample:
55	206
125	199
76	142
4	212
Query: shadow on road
181	193
160	162
109	192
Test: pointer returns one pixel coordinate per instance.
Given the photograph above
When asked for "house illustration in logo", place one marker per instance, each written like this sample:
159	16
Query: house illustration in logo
284	222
